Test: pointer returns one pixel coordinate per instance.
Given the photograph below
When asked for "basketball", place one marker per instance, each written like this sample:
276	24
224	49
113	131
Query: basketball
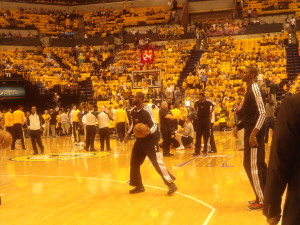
5	139
141	130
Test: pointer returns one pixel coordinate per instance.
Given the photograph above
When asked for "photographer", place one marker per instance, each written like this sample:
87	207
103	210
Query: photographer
185	137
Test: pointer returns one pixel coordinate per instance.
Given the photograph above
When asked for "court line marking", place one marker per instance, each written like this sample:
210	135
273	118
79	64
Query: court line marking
206	221
203	157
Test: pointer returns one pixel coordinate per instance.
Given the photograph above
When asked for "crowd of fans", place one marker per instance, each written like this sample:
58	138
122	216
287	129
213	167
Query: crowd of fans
38	67
253	8
226	27
170	58
55	23
109	21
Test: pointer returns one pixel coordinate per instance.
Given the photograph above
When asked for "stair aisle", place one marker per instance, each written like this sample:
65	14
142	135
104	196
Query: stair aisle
190	65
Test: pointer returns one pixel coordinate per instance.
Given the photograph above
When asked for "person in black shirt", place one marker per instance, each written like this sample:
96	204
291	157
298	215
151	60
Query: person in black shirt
146	146
284	166
252	119
167	128
204	109
53	115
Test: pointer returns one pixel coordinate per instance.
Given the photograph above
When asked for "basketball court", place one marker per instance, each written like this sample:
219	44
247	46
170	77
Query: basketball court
68	185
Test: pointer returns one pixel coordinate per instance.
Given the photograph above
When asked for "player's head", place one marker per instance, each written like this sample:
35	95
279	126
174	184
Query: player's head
20	107
249	74
138	98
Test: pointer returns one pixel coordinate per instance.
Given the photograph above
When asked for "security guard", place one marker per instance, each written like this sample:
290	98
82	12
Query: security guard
167	128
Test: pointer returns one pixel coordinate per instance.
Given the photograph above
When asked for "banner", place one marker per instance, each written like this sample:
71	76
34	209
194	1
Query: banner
12	92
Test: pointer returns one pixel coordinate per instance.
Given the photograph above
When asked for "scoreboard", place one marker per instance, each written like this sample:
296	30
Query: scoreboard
147	55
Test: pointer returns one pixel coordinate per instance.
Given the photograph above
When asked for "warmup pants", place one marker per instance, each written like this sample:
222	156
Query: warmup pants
166	136
202	130
254	163
104	136
90	137
76	128
35	136
121	130
147	147
18	134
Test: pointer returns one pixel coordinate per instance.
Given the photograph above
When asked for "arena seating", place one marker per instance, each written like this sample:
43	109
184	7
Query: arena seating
226	58
48	22
169	57
37	67
105	22
268	7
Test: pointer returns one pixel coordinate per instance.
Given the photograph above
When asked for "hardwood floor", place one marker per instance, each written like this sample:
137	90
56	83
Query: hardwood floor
71	186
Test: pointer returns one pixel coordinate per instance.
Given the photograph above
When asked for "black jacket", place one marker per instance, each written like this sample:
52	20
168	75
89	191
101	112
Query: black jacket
284	164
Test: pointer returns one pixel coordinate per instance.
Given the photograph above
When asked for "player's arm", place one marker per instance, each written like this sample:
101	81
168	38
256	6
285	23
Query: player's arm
262	115
150	121
129	130
212	108
283	156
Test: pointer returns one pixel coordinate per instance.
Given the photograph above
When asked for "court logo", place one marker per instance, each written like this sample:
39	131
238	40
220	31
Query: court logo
59	156
209	161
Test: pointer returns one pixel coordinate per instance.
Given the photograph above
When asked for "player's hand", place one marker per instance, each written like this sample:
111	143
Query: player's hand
235	132
126	138
253	141
274	220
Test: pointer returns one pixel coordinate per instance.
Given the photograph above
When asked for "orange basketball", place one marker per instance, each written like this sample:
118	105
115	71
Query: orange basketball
5	139
141	130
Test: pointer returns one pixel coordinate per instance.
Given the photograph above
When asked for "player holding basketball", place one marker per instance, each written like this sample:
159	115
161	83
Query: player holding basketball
146	144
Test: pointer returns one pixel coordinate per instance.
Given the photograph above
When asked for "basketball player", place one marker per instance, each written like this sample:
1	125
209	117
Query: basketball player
146	146
34	123
252	120
19	119
284	166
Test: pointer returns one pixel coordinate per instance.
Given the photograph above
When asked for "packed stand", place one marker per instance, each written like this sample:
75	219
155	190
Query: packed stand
226	27
219	70
170	58
53	23
39	68
109	22
257	7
